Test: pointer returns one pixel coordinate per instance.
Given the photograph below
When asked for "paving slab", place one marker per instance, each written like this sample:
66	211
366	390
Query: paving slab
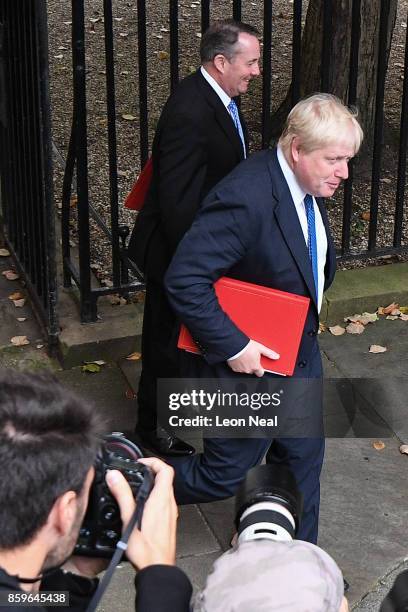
107	391
363	514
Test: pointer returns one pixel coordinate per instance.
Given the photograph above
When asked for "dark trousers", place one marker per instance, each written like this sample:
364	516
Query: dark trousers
217	472
159	353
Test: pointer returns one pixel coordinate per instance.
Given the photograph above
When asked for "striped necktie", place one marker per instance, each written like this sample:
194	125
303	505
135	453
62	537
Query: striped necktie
233	110
311	238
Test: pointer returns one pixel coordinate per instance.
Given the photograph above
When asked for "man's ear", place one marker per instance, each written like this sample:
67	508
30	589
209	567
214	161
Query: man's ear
295	148
219	62
64	512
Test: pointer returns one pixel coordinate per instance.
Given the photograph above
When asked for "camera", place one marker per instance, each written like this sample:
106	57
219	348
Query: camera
102	526
268	505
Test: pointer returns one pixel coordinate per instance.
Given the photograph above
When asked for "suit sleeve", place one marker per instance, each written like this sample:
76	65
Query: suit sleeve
224	230
181	174
160	588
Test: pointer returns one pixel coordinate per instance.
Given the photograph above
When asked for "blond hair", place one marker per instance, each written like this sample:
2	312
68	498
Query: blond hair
321	120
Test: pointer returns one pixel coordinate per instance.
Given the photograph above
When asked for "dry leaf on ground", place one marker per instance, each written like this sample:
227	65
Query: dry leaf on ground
403	449
404	309
378	445
93	368
98	362
392	317
10	275
337	330
388	309
21	319
377	348
134	356
322	328
352	318
19	340
355	328
129	117
4	253
395	313
368	317
403	317
19	303
16	296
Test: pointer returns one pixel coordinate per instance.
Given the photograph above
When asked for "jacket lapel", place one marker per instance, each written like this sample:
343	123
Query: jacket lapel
288	221
222	116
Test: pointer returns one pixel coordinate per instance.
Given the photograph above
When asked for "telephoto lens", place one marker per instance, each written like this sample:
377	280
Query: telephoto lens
268	505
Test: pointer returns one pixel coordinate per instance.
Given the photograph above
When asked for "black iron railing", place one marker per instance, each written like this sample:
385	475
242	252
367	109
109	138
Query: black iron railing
26	154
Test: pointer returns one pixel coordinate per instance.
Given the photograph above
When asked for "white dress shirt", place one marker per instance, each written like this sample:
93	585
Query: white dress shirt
225	99
298	196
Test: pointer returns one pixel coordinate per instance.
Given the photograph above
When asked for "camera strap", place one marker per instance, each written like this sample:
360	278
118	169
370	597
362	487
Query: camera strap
121	546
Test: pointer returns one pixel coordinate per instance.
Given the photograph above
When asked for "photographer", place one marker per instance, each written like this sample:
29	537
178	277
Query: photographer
49	440
267	569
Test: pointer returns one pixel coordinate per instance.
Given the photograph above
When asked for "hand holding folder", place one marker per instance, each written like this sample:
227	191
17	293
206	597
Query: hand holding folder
271	317
249	362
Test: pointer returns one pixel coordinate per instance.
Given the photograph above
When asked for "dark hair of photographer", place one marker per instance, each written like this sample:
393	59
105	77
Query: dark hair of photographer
48	442
49	439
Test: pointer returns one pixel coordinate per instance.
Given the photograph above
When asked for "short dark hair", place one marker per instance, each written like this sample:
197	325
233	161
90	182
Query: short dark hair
49	439
221	38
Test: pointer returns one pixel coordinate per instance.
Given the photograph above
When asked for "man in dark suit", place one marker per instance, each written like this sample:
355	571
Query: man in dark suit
265	223
201	136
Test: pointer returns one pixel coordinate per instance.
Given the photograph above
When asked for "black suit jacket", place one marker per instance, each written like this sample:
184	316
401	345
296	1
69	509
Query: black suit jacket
247	228
196	144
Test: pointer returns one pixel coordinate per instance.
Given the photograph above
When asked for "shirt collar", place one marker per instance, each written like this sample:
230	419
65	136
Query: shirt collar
225	99
297	193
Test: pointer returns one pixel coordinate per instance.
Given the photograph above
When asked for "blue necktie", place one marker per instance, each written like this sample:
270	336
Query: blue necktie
233	110
311	238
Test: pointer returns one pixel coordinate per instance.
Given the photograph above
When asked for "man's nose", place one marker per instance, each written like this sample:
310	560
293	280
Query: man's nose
342	170
255	70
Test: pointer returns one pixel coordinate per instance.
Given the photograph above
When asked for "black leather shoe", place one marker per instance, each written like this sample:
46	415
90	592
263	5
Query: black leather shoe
164	443
346	585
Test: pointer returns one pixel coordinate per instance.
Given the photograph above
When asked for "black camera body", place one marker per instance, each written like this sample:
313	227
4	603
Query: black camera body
102	526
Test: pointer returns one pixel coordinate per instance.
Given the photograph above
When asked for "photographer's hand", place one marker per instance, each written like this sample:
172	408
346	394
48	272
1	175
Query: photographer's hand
155	542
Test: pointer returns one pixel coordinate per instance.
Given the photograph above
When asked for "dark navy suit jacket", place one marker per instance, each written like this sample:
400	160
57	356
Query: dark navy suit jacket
247	228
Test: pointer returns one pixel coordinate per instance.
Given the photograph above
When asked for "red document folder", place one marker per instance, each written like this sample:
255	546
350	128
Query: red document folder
136	198
274	318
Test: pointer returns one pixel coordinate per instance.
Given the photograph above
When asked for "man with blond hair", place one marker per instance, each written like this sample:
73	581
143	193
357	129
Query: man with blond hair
264	223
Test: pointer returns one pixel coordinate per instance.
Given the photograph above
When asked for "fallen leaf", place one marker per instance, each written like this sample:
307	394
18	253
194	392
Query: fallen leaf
21	319
368	317
129	117
380	310
19	340
130	394
98	362
395	313
392	317
377	348
403	449
355	328
403	317
95	19
39	346
10	275
404	309
73	201
388	309
162	55
93	368
337	330
134	356
4	253
123	34
352	318
19	303
365	215
378	445
16	296
60	56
